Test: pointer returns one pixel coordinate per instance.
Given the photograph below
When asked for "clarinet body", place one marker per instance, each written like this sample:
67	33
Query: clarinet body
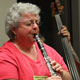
47	59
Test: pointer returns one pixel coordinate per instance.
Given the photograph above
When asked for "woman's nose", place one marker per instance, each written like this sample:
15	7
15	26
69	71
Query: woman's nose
35	25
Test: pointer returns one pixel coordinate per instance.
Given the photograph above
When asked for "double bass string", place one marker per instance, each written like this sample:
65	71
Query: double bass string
70	61
68	53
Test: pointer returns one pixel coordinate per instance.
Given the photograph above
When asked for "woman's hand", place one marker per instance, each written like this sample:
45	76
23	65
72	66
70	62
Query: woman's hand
57	67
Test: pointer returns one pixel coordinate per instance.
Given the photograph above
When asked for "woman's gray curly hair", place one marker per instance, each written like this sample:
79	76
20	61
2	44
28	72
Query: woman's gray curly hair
15	13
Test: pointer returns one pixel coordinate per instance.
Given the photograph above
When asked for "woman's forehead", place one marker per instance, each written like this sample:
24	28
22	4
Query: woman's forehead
29	16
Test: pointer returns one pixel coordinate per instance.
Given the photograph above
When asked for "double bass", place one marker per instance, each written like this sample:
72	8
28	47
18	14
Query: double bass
56	12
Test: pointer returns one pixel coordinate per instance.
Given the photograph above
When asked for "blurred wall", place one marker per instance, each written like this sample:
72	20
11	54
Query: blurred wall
4	5
76	25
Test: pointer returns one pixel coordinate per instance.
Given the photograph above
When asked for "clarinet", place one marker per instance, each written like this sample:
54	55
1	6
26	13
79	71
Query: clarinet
47	59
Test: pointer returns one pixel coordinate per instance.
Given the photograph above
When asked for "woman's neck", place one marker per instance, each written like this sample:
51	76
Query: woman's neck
30	51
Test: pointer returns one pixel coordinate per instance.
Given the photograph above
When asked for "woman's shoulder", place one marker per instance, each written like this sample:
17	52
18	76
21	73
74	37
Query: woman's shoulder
7	52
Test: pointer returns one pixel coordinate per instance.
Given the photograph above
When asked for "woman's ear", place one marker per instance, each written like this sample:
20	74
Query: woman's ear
13	29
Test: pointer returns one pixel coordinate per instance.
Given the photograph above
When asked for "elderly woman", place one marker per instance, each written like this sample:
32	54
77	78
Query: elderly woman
20	57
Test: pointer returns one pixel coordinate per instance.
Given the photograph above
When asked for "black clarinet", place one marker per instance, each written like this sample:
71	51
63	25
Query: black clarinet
47	59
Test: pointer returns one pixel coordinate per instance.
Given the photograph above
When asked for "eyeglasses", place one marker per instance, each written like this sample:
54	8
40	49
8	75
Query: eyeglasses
29	23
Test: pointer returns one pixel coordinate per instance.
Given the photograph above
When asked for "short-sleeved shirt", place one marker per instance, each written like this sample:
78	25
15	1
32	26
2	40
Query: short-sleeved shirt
16	65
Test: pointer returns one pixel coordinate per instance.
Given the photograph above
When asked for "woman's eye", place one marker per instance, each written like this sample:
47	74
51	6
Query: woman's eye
37	23
28	24
31	23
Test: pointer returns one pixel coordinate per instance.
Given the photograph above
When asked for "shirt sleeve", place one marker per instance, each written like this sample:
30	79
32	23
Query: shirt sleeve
8	70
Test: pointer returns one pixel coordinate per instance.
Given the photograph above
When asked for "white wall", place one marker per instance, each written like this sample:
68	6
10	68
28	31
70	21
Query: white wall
4	5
